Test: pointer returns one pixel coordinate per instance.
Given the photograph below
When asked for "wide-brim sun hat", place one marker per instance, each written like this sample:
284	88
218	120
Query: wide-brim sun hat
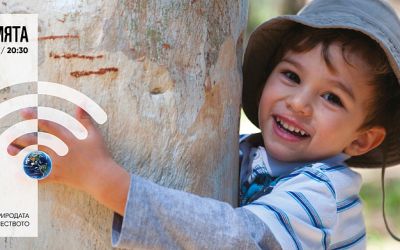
375	18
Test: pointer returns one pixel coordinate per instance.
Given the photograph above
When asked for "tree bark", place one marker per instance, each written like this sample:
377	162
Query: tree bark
168	75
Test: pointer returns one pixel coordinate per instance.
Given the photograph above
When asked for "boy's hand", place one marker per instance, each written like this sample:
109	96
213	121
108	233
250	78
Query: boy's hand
87	165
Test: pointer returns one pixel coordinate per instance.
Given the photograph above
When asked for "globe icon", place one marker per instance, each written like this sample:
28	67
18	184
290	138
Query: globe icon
37	165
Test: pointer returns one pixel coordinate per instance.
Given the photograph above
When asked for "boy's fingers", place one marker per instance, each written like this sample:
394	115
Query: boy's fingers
48	126
83	117
56	129
21	142
28	113
13	150
53	128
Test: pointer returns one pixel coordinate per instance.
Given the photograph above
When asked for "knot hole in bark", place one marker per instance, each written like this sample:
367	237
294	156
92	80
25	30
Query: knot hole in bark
157	91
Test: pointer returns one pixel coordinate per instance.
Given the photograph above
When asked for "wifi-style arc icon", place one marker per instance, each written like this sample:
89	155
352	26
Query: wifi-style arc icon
50	114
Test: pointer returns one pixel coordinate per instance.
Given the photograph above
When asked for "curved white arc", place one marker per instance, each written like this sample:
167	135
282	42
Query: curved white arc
53	142
74	96
47	140
64	119
18	103
17	130
31	126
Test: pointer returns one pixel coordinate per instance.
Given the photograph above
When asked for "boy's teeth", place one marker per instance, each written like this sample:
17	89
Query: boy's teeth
290	127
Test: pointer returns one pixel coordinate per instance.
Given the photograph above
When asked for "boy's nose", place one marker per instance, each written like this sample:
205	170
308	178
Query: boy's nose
300	103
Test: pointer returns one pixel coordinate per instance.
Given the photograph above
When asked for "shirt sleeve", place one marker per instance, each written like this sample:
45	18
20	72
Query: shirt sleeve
161	218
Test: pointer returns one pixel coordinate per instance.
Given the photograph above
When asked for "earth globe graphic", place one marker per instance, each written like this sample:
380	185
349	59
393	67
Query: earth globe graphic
37	165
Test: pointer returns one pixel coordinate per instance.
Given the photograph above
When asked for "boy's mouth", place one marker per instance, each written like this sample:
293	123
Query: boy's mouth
290	128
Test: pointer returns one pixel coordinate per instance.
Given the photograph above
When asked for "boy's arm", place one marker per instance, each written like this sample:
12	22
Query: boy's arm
112	188
154	217
161	218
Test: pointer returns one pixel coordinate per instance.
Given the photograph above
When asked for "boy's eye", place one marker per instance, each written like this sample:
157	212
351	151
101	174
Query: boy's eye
333	99
292	76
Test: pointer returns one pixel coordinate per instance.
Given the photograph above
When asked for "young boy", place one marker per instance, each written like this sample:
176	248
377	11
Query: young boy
319	96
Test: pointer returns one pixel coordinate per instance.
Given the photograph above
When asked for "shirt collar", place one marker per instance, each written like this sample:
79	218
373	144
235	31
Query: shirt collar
276	167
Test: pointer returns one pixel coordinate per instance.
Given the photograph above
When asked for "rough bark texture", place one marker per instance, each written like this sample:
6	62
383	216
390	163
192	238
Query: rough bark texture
167	73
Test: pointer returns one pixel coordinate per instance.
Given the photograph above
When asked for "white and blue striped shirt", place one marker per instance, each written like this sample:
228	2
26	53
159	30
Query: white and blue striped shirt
312	205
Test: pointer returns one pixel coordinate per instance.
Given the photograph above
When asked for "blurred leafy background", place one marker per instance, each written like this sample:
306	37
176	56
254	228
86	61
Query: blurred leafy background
371	192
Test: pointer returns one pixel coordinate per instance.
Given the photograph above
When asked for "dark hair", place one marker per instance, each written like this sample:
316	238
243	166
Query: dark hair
383	106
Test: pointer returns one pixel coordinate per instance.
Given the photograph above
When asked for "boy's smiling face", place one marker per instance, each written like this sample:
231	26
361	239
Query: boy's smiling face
308	112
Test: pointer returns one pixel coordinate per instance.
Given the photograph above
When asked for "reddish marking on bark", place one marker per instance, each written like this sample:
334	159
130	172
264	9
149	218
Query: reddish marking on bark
39	29
101	71
4	3
193	2
56	37
69	56
63	21
51	54
140	59
165	46
131	46
158	21
5	98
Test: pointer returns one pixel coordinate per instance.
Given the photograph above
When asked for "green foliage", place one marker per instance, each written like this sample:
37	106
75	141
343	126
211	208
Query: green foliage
261	11
371	193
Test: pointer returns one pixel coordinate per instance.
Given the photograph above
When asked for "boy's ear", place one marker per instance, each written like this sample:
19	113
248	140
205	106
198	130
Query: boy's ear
366	141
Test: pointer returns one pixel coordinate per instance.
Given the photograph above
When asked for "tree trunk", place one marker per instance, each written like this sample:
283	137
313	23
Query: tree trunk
168	75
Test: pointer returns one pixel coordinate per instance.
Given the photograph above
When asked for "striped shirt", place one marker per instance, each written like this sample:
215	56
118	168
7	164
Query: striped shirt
312	205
